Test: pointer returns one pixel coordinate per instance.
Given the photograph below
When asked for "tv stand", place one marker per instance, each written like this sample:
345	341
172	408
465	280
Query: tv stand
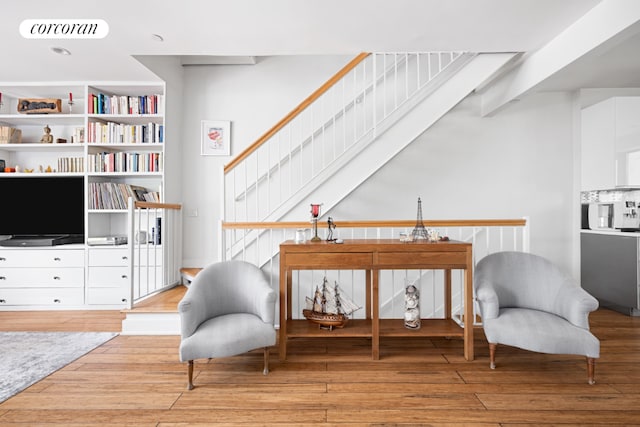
42	240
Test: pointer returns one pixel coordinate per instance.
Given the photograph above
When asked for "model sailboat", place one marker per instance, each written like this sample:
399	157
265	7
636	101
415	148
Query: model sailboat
330	307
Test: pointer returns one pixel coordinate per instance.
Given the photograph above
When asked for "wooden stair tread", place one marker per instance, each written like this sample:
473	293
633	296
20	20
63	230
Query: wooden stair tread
163	302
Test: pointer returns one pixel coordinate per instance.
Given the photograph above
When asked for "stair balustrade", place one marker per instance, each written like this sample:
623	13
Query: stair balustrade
328	129
155	245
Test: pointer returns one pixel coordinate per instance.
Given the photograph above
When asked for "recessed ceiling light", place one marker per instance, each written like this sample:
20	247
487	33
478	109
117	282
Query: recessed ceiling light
157	37
60	51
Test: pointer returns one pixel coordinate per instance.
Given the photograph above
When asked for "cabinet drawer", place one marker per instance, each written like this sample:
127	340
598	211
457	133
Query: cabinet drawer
42	296
108	257
336	261
109	277
42	277
42	258
422	260
107	296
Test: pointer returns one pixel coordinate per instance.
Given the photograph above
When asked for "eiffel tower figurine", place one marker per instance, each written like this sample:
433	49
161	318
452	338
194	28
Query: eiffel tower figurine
419	232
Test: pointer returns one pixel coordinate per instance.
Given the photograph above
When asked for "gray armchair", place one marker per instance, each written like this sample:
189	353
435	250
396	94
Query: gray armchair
527	302
229	309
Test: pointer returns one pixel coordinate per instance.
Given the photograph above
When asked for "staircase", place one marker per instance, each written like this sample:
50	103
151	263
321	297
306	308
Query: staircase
347	130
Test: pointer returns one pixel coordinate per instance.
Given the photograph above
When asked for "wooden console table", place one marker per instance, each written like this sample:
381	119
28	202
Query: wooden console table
373	255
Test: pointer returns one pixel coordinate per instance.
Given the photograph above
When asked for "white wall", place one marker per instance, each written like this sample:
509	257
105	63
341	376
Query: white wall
515	164
253	98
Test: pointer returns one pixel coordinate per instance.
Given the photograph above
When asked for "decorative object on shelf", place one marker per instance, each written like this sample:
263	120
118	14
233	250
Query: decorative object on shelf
411	305
61	141
70	102
2	165
1	104
315	213
419	231
216	138
332	226
39	105
47	138
330	307
301	235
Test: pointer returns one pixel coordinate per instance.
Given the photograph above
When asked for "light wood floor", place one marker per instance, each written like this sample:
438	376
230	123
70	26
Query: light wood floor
138	381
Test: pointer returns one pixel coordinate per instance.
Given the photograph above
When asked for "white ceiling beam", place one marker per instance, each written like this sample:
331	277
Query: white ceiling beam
604	26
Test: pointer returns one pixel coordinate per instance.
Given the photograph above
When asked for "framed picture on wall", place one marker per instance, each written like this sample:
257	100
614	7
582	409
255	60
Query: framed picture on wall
216	138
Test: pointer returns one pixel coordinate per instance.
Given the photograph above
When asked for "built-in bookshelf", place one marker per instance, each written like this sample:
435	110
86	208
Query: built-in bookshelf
111	133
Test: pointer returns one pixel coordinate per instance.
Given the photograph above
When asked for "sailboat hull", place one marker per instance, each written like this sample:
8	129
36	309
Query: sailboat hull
327	321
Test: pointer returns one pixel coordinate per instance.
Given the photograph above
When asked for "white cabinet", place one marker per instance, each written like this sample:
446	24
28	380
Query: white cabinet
611	144
109	277
112	136
42	277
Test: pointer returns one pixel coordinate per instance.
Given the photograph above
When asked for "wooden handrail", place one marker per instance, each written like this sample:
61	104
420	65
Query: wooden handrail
154	205
301	107
519	222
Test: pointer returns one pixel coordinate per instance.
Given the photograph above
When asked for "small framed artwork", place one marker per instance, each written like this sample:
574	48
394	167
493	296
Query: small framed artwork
216	138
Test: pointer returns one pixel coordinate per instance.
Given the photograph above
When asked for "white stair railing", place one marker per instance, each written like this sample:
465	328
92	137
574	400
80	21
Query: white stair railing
155	247
348	114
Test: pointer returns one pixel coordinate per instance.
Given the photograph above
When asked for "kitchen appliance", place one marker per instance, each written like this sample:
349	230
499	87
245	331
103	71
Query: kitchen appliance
624	216
601	215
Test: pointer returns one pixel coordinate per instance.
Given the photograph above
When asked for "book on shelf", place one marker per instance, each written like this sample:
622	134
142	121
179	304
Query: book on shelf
100	103
114	195
125	162
121	133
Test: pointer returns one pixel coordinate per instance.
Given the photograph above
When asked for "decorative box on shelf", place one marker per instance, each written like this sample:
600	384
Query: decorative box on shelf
39	105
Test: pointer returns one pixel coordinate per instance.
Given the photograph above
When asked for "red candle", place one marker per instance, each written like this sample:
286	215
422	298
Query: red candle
315	210
70	97
0	97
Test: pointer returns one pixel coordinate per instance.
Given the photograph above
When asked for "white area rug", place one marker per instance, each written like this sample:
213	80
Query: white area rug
28	357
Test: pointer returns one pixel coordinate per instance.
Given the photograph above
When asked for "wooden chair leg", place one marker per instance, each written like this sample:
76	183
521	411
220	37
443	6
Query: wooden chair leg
492	355
591	368
265	371
190	375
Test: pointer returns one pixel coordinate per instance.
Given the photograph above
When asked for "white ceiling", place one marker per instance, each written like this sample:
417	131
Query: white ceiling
249	28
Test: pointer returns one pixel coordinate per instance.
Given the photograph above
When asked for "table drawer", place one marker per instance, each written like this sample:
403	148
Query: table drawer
330	261
42	277
422	260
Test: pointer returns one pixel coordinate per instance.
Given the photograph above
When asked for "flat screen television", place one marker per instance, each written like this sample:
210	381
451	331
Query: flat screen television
41	211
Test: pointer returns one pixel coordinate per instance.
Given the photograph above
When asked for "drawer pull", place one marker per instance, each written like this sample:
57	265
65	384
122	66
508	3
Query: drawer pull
57	259
56	277
124	276
125	257
57	301
3	301
3	278
124	300
2	258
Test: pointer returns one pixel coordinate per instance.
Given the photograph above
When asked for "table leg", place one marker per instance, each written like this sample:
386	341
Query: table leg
468	309
447	294
285	283
367	294
375	319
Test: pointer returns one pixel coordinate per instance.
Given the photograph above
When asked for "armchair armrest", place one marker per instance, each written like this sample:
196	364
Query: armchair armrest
192	310
488	299
265	302
574	304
